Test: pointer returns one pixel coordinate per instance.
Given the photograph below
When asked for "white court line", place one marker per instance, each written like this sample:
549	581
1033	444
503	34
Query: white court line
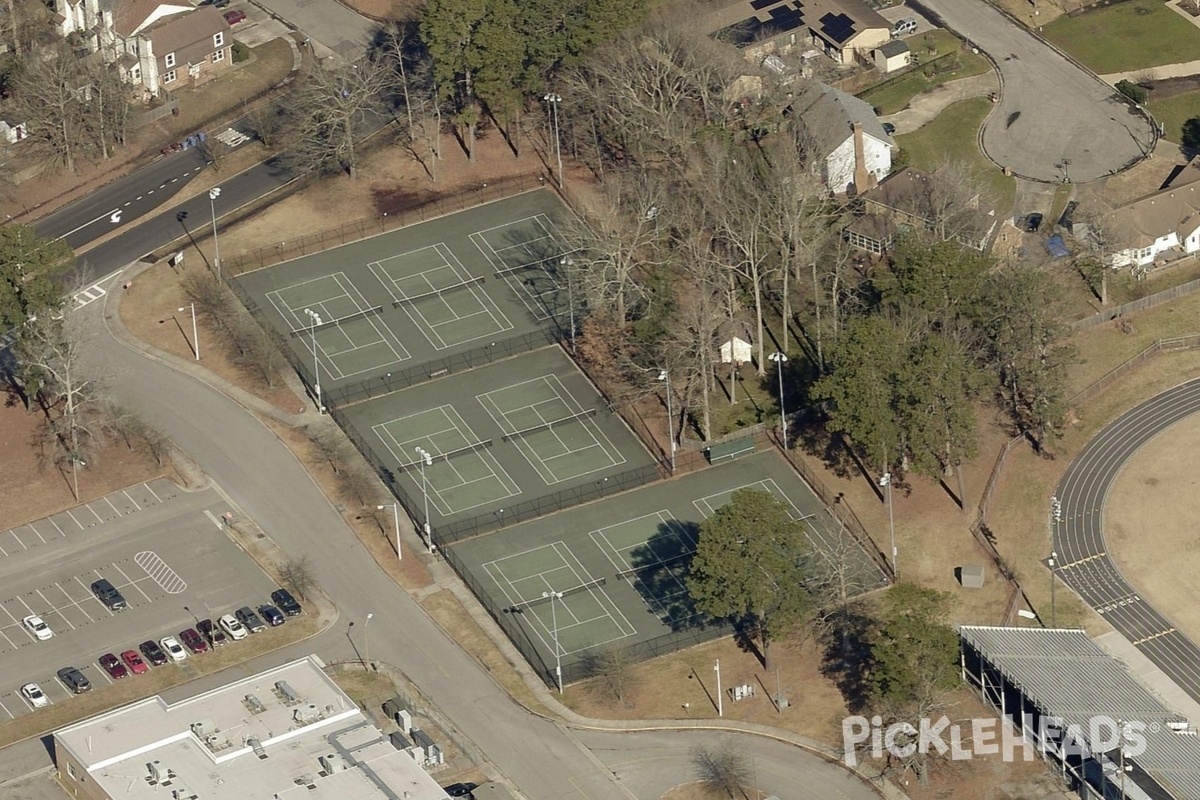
132	583
152	492
92	595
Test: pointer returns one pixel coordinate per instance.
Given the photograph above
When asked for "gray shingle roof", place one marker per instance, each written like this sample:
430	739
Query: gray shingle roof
827	114
1068	675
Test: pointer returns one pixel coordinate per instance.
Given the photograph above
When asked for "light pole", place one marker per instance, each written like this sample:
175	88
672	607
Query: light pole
1053	611
554	100
886	483
396	517
195	336
554	624
567	263
367	638
665	377
426	461
213	194
780	359
720	697
315	320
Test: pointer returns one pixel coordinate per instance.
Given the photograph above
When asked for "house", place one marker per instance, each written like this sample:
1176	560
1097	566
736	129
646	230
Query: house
843	131
1160	227
891	56
912	200
157	45
12	134
845	30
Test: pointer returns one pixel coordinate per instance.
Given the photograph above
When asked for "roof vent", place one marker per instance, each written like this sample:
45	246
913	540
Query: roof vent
254	704
290	696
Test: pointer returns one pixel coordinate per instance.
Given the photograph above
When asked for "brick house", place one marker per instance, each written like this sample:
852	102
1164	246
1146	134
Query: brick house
157	45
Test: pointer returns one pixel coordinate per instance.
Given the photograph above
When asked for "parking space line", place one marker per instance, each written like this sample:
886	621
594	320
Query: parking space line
132	583
6	711
18	540
102	672
72	516
4	552
110	505
35	530
55	610
151	491
136	504
88	506
55	524
92	595
71	603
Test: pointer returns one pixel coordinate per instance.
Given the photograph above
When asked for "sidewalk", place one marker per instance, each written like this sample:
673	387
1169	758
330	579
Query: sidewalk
926	106
1158	73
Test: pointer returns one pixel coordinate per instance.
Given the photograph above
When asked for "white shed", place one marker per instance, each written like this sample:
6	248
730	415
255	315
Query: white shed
892	56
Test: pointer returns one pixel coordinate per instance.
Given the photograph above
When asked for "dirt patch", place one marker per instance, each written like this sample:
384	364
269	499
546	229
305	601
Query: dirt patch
1149	512
1169	87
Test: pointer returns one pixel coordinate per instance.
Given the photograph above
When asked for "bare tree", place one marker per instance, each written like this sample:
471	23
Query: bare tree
358	485
724	769
1100	236
257	351
331	445
297	574
331	107
49	91
268	122
612	673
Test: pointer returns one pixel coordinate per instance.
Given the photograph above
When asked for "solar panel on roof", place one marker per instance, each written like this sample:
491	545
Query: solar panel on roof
838	27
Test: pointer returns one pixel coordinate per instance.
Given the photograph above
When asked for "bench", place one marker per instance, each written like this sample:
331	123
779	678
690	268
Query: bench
730	450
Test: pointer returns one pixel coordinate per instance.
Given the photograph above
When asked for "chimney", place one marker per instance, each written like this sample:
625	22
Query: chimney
862	178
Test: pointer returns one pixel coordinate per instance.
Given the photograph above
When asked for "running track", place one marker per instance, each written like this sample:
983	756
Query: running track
1083	562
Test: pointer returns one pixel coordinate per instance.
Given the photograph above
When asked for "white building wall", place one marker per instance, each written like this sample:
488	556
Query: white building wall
839	166
879	157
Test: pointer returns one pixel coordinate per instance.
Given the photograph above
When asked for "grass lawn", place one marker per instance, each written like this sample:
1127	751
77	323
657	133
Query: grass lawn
1174	111
952	137
1127	36
894	94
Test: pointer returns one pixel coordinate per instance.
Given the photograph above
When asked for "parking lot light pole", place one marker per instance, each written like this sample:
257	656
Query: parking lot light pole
554	625
554	100
195	336
315	320
886	483
426	461
396	517
213	194
780	359
367	638
665	377
567	263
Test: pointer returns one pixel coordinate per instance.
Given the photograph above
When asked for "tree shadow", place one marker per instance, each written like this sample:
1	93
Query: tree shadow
847	659
659	570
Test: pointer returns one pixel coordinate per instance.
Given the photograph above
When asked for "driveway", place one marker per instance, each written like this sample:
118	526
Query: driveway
1055	120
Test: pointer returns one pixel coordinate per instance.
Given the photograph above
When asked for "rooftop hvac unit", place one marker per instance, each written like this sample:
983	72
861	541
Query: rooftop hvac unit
289	694
332	762
306	714
204	728
1177	725
254	704
183	793
158	772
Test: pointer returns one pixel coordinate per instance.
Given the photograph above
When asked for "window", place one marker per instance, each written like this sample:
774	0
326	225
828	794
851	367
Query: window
193	70
135	73
70	769
169	77
219	55
219	39
169	60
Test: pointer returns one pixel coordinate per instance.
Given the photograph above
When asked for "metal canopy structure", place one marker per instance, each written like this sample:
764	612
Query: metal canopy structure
1052	685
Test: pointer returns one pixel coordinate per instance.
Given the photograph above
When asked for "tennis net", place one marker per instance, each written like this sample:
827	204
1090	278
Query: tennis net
583	587
545	426
320	326
407	301
471	448
547	265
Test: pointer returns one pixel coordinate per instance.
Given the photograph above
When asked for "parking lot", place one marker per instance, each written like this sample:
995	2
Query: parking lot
165	550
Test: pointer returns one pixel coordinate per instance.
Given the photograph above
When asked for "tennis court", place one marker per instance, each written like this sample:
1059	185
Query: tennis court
632	553
551	428
408	306
486	456
527	254
583	616
331	315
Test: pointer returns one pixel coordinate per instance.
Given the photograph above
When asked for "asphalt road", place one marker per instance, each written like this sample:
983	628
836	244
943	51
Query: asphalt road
1051	111
1084	564
123	200
266	481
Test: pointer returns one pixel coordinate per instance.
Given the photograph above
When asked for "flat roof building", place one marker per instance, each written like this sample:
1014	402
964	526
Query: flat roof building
283	734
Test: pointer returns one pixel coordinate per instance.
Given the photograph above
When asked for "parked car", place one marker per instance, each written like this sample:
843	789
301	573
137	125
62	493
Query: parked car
459	789
153	653
904	27
34	694
194	641
35	625
135	663
889	128
252	621
221	3
235	16
210	631
113	666
74	680
107	593
236	630
286	603
172	648
273	616
1033	223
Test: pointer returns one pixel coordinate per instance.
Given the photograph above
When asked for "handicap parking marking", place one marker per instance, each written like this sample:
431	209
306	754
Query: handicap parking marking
132	583
160	571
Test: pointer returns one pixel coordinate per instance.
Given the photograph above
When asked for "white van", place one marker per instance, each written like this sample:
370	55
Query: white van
904	27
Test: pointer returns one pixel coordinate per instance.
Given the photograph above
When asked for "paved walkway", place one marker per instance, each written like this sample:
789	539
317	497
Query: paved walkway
926	106
1157	73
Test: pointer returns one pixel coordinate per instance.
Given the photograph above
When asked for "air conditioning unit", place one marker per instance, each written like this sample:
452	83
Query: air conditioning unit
204	728
332	762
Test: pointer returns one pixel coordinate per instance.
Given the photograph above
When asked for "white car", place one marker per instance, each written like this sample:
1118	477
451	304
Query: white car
34	624
34	694
173	648
230	624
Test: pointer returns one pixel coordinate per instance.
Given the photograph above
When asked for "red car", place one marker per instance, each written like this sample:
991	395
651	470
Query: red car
193	641
135	663
115	669
235	16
